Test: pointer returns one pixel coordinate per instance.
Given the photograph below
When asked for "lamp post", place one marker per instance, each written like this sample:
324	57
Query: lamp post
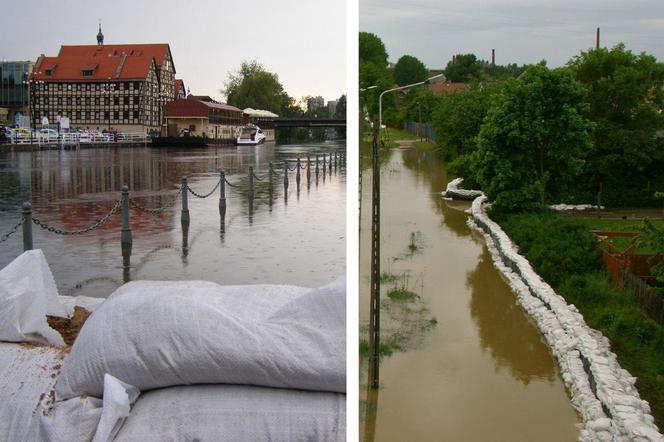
374	315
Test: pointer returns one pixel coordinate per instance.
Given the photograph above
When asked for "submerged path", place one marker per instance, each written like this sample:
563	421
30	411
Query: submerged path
482	371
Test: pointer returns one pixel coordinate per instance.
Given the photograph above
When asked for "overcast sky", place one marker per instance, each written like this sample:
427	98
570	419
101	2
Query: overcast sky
301	41
521	31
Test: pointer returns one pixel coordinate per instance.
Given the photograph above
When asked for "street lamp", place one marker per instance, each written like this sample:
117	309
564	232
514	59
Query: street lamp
374	314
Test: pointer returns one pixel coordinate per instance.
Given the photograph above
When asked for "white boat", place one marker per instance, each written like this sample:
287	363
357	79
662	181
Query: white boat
250	135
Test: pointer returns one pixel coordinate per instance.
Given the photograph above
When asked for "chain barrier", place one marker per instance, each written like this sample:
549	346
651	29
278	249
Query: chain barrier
95	226
303	166
229	183
154	210
294	167
6	236
259	178
207	194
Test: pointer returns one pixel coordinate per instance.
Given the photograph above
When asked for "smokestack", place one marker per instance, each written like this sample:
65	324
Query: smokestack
493	56
597	40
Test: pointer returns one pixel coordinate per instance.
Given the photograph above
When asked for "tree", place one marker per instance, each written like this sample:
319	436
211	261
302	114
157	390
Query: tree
253	86
409	70
463	68
372	50
626	96
533	140
340	111
458	118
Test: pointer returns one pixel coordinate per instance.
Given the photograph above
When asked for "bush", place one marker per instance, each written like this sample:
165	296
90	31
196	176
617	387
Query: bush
557	247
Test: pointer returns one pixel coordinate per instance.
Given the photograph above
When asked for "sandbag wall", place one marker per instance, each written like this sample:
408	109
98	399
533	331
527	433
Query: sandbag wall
601	390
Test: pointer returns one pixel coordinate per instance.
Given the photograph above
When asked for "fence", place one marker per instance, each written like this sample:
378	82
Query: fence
651	303
76	138
320	165
425	130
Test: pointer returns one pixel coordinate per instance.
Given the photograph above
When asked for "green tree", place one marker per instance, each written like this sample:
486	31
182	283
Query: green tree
463	68
253	86
409	70
458	118
340	111
626	96
372	50
533	140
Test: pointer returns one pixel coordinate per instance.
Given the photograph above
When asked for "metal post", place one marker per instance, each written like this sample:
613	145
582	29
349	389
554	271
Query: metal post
222	194
330	163
184	215
270	174
308	170
324	163
251	181
316	165
27	226
374	315
125	236
285	177
297	173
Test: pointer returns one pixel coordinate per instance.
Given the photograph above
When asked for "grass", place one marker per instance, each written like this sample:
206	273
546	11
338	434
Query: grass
390	135
388	278
558	248
620	225
400	294
383	349
416	242
424	145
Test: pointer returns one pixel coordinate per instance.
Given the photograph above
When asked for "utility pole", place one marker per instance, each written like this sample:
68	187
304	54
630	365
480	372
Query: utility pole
597	39
374	319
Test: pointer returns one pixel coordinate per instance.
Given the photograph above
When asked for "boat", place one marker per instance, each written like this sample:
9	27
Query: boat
250	135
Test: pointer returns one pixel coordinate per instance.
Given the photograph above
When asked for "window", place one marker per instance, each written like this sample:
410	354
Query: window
126	85
116	100
49	72
107	115
96	115
69	100
87	72
107	101
126	115
135	115
78	101
137	85
97	86
97	101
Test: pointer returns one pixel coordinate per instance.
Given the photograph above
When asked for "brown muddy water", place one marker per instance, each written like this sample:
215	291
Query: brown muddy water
294	238
470	365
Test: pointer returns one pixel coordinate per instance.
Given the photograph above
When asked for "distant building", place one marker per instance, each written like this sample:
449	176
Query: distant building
445	87
14	91
119	86
263	119
315	103
332	108
199	118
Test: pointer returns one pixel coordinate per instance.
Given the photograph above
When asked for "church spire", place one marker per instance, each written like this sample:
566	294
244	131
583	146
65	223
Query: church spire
100	36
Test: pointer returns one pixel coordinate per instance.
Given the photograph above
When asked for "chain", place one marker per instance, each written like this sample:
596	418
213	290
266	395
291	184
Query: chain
153	210
227	182
6	236
304	166
206	195
95	226
294	167
259	178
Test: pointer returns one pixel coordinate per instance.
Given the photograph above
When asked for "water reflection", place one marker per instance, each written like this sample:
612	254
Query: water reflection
504	330
243	237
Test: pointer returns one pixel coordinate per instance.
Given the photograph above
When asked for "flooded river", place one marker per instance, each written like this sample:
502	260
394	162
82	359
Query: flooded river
468	364
295	238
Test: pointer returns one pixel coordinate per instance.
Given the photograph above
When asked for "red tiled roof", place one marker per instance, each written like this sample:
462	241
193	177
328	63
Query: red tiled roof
178	86
116	62
184	107
441	88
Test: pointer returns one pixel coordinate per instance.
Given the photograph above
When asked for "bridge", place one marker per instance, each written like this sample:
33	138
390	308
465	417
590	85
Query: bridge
309	122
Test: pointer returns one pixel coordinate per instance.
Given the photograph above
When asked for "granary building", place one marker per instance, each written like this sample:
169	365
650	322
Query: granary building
123	87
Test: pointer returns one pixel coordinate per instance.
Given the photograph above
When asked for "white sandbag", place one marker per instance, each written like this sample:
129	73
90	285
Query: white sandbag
87	302
27	375
235	413
27	294
75	419
154	335
118	398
